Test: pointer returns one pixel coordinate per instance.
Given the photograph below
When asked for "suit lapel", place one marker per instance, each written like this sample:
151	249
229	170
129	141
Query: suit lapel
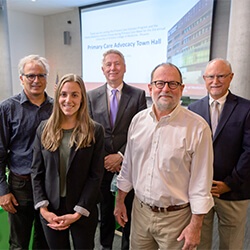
205	109
71	157
55	155
229	106
103	104
123	103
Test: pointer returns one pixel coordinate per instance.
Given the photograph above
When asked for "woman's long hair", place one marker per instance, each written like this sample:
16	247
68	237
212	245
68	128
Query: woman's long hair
83	133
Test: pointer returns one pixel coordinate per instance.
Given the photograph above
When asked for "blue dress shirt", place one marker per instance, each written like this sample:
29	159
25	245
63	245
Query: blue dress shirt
19	119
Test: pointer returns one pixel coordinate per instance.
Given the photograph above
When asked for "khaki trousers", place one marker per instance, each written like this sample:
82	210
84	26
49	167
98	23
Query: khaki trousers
151	230
231	224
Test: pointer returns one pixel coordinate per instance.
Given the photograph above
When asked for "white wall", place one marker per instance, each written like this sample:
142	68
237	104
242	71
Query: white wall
26	36
5	69
33	34
63	59
239	47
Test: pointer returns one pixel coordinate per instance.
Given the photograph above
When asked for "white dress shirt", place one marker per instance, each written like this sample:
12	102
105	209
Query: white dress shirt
221	101
169	162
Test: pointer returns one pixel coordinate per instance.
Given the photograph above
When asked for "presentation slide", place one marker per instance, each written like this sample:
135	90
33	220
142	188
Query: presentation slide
148	32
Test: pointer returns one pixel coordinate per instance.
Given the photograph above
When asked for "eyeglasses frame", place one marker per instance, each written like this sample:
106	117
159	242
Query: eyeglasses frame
35	76
167	82
219	77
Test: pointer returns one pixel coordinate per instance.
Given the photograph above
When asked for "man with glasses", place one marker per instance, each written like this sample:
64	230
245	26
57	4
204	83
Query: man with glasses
113	105
231	143
20	115
168	161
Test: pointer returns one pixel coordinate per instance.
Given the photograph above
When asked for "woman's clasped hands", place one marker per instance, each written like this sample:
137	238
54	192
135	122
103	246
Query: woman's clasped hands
59	222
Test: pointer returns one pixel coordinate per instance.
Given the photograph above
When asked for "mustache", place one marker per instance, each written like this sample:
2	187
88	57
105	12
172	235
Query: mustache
215	85
165	94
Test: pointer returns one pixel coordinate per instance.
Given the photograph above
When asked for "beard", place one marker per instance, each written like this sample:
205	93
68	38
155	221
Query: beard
165	105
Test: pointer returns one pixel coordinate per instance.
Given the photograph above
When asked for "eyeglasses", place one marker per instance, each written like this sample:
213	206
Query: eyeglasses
161	84
219	77
32	77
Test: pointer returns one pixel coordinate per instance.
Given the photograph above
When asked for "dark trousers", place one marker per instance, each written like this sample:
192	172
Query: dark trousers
107	225
21	222
82	231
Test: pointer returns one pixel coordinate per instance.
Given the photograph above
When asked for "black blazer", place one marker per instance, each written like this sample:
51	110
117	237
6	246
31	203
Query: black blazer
231	144
132	101
83	177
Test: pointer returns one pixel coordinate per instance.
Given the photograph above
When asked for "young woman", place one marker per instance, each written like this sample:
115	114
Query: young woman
67	168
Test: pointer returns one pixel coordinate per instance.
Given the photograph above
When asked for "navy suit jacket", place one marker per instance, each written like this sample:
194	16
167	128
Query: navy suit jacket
231	144
83	176
132	101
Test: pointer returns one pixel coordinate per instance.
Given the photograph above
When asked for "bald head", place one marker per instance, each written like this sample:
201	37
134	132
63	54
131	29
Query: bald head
218	76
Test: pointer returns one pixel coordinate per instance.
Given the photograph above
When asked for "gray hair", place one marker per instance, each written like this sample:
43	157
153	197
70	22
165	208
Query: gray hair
113	51
165	65
33	58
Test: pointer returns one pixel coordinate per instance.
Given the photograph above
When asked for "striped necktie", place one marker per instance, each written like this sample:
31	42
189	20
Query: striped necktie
214	115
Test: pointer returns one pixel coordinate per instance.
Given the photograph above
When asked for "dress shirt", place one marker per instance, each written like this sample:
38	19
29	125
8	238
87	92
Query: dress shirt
169	162
19	119
221	101
118	94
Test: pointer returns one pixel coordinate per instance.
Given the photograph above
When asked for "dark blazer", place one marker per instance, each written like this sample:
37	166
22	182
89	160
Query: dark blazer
231	144
83	176
132	101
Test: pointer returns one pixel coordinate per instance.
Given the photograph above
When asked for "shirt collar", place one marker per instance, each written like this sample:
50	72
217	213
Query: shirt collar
221	100
169	116
24	98
109	88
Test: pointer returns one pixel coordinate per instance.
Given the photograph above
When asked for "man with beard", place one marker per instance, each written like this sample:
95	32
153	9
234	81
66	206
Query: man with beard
169	163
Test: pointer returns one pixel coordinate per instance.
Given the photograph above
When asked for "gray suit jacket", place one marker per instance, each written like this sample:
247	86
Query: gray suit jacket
132	101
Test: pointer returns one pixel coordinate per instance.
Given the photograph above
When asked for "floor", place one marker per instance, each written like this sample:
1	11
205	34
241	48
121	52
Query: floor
116	242
117	239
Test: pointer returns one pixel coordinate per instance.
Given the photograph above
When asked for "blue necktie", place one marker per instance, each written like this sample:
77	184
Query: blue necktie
113	106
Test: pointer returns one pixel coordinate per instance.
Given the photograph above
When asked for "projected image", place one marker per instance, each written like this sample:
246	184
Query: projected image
148	33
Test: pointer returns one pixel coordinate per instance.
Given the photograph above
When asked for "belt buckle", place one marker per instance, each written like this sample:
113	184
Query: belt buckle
154	209
157	209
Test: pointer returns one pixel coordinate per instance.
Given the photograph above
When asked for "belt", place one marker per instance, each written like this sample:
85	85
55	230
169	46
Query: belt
26	176
167	209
